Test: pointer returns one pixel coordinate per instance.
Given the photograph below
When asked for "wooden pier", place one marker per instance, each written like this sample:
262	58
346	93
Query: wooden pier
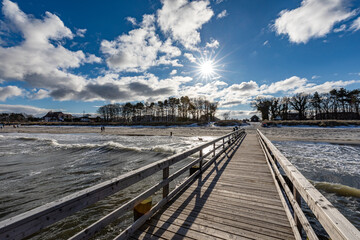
234	199
243	188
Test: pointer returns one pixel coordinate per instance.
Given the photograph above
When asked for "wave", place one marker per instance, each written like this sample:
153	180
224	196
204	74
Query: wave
339	189
104	146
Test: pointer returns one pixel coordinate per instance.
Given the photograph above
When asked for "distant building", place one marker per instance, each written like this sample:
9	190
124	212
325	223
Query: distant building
57	117
254	118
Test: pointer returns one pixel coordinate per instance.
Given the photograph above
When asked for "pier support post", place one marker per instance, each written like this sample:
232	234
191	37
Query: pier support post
297	197
142	208
166	187
201	160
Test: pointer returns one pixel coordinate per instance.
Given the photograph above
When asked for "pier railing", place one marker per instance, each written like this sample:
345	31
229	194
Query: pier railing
297	188
30	222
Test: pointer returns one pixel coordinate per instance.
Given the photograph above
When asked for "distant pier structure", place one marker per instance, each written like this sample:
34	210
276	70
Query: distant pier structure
240	187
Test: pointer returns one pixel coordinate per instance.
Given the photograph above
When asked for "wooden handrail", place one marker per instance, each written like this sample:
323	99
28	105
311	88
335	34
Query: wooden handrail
30	222
334	223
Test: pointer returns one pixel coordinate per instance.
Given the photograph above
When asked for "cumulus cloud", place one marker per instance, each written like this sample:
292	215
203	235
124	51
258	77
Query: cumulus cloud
183	20
39	94
173	72
190	57
40	59
222	14
313	19
132	20
30	110
131	88
138	50
81	32
9	91
244	92
284	85
213	44
324	87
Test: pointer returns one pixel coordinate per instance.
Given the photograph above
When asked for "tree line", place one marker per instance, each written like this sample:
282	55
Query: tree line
169	110
337	104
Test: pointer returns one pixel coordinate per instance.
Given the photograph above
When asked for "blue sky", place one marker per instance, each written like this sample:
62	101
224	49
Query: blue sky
75	56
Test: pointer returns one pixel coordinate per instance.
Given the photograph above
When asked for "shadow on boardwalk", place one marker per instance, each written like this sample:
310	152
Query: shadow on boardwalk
200	194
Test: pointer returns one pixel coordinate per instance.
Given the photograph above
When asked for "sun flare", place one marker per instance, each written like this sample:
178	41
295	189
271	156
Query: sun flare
207	68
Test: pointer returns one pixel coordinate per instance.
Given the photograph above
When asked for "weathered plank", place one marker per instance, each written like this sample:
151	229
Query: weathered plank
235	198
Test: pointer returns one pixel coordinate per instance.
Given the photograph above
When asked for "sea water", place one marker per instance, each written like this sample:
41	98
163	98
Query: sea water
39	168
334	169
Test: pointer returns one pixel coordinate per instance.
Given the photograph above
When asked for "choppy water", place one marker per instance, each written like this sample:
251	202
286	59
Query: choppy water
39	168
334	169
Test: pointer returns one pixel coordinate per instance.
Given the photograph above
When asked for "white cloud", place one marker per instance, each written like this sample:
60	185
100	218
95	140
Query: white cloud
40	59
173	72
355	26
315	77
30	110
219	1
132	20
213	44
81	32
324	87
284	85
340	29
313	19
9	91
138	50
39	94
182	20
244	92
222	14
190	57
266	43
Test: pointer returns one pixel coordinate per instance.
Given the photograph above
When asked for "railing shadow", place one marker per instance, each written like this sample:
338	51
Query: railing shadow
198	194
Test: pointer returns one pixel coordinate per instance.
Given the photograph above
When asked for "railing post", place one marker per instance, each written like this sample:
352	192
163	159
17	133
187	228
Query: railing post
223	143
214	151
297	197
166	187
201	160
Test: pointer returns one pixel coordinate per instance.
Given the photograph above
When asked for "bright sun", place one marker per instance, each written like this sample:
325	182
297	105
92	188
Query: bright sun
207	68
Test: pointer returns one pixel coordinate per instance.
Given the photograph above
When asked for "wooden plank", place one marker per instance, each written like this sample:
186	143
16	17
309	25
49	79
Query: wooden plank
221	221
232	200
131	229
335	224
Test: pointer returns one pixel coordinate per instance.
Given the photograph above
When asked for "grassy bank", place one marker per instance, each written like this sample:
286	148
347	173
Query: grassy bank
319	123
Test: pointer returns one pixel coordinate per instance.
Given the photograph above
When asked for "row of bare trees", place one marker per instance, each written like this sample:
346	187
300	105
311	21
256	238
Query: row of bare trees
336	104
169	110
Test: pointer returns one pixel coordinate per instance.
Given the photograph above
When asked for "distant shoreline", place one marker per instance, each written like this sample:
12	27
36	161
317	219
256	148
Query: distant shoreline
319	123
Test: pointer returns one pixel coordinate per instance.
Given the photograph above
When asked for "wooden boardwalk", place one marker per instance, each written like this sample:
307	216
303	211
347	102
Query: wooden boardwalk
236	199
